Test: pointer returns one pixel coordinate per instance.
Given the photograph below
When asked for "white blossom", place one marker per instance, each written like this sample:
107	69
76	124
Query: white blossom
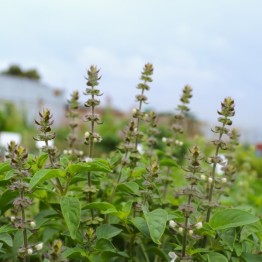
32	224
87	134
172	255
203	177
29	251
181	229
198	225
224	180
172	224
164	139
12	218
88	159
39	246
210	180
190	232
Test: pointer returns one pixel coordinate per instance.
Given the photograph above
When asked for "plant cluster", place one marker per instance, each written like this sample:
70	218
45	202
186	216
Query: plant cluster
154	198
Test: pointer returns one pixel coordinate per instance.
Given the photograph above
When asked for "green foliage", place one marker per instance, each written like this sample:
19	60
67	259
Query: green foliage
156	197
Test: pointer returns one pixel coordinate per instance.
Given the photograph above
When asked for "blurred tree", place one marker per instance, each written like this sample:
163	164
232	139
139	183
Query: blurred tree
15	70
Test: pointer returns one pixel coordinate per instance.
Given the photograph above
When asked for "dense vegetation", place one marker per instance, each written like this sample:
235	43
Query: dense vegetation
160	195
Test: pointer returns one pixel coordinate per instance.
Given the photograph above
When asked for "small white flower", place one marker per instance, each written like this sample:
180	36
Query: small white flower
88	159
145	116
140	149
210	180
181	143
172	224
65	152
70	152
177	142
95	140
134	110
224	180
12	218
32	224
87	134
181	229
81	153
203	177
39	246
29	251
164	139
198	225
172	255
190	232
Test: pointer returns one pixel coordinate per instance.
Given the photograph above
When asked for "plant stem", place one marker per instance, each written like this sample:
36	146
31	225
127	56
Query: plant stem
26	259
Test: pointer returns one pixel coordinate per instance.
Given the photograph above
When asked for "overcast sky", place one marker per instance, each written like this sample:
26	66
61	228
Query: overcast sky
215	46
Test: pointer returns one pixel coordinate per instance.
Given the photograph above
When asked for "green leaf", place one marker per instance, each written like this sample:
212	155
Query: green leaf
95	165
129	187
141	225
104	207
168	162
6	229
71	211
5	167
156	221
41	160
217	257
45	174
73	251
107	231
251	257
105	245
229	218
6	200
250	229
6	238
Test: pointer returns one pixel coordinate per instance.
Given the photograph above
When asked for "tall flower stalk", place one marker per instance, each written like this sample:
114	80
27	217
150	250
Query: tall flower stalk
47	135
19	156
92	118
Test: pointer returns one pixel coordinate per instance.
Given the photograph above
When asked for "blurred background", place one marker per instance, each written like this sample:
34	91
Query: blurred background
47	46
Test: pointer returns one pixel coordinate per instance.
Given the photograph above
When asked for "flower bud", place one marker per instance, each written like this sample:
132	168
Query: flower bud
224	180
87	134
65	152
198	225
190	232
29	251
210	180
81	153
32	224
39	246
172	224
70	152
164	139
203	177
12	218
134	110
181	229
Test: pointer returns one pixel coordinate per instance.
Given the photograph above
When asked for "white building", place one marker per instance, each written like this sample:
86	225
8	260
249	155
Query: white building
31	96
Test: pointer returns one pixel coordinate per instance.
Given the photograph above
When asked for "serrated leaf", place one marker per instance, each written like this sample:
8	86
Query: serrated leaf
229	218
156	221
104	207
45	174
95	165
71	211
107	231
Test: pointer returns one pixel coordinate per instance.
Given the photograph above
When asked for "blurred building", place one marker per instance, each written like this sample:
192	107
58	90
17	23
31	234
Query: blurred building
30	97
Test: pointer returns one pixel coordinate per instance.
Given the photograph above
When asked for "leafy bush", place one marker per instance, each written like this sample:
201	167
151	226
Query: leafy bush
152	199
